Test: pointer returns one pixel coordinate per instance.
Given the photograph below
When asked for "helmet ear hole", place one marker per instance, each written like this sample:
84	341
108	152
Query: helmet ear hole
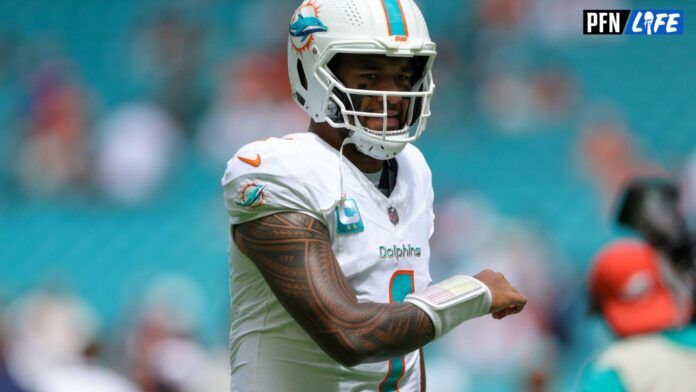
334	109
301	73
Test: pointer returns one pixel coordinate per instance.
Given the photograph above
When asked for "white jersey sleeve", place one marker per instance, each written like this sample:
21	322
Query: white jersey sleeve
261	180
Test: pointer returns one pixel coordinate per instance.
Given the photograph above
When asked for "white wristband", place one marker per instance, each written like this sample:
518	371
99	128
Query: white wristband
453	301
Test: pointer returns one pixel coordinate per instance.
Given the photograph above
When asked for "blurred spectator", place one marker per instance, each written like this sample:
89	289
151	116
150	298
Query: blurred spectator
469	234
610	157
555	94
557	22
52	346
163	353
83	377
166	56
648	310
275	21
507	101
137	147
48	329
54	156
254	103
517	94
7	381
526	103
503	15
688	189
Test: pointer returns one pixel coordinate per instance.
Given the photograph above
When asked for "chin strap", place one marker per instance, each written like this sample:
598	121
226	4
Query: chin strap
340	167
342	197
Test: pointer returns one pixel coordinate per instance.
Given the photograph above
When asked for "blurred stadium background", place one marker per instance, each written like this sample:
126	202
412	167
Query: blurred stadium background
117	118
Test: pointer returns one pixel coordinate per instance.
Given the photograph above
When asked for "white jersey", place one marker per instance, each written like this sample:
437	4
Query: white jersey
653	362
381	244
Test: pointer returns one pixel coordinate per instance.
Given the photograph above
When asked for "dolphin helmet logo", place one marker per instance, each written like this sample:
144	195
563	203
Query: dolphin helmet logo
304	24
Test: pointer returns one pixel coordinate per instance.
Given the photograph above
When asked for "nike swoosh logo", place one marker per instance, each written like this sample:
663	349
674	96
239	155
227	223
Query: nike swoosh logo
253	162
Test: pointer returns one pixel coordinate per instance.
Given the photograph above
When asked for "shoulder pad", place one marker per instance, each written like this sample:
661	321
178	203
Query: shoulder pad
271	176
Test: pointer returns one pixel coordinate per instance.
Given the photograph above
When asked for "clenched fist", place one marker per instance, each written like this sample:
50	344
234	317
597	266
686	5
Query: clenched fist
506	299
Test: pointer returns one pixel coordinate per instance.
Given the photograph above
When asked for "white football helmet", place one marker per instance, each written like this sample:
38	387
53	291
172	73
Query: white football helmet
320	29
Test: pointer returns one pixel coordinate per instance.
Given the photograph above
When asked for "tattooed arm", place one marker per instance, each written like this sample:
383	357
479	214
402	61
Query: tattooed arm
293	253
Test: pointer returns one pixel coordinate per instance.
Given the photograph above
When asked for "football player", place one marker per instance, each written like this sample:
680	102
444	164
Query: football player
329	254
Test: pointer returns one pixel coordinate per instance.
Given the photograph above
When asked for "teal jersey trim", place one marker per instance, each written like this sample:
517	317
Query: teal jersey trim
397	366
395	17
683	337
595	379
401	285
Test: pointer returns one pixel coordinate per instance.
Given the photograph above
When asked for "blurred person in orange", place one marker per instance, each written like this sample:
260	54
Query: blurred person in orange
252	104
54	157
649	311
610	154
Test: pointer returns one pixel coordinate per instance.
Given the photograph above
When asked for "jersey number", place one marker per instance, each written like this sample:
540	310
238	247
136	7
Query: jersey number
401	284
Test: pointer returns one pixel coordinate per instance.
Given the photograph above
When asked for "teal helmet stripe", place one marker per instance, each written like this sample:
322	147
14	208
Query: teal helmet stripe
395	17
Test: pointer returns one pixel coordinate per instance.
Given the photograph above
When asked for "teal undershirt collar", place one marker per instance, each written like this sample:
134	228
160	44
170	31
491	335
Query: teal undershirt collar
683	337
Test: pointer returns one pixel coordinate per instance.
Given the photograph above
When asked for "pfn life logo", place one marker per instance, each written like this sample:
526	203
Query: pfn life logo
634	22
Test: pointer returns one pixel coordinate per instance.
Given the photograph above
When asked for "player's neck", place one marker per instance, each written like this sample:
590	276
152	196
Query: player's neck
334	137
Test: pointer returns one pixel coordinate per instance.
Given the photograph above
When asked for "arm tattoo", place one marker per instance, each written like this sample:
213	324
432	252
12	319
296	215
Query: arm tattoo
293	252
